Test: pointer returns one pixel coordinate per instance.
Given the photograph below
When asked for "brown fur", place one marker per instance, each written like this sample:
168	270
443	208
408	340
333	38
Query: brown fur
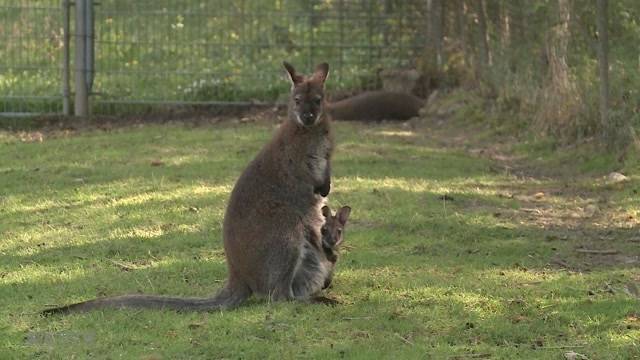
272	225
267	221
376	106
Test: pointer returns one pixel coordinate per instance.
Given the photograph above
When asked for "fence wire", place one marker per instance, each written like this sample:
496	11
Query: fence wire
197	51
30	56
231	51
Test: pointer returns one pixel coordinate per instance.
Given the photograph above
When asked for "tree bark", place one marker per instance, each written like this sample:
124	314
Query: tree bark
461	28
505	26
434	7
603	65
557	47
484	37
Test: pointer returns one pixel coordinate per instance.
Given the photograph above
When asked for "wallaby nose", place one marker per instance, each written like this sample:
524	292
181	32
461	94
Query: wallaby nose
308	118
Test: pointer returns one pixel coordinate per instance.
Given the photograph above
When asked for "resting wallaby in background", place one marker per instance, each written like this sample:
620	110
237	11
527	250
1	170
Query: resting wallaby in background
272	226
376	106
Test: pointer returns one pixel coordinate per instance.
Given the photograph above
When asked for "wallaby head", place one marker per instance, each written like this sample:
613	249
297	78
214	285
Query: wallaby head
333	229
306	103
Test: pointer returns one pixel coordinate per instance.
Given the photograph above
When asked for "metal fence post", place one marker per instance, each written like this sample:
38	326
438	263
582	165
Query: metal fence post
81	104
66	92
89	45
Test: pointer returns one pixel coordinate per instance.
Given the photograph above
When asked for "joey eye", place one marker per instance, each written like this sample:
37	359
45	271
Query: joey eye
297	99
318	99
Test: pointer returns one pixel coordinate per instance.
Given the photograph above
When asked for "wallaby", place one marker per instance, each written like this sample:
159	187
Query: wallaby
272	226
333	233
312	264
376	106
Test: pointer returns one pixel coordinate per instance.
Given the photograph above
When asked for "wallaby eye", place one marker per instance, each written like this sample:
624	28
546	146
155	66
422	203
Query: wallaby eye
318	99
323	230
297	99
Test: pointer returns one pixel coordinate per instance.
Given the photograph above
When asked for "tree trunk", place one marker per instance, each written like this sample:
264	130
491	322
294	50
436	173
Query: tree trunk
434	7
557	47
505	26
603	62
484	37
558	111
461	28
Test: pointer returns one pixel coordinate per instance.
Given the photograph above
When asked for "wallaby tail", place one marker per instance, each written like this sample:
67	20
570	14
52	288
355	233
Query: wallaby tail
227	298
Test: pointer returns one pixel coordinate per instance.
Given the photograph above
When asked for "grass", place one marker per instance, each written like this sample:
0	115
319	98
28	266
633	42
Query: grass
87	214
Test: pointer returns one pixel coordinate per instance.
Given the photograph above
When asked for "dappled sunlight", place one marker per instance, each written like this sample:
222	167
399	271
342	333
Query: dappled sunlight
398	133
347	184
29	243
40	274
35	273
468	186
405	184
147	232
482	306
441	247
351	149
140	232
415	296
518	278
626	333
175	192
14	204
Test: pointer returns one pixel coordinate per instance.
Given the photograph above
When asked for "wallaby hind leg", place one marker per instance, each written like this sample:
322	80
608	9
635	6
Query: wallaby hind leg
282	287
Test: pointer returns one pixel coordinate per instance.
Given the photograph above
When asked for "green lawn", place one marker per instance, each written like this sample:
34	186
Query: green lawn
493	273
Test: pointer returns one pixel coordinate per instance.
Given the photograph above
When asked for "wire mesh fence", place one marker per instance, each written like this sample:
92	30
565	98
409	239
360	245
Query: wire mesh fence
31	56
206	52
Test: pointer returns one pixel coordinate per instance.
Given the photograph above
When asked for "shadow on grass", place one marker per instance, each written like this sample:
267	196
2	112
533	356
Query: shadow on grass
430	230
381	237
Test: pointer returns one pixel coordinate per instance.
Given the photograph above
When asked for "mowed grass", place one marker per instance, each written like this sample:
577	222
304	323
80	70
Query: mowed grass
139	210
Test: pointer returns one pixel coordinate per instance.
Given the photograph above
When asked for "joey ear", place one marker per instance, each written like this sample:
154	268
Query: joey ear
291	72
326	211
343	214
322	72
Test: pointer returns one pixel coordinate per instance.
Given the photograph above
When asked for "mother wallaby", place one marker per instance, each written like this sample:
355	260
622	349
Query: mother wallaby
272	225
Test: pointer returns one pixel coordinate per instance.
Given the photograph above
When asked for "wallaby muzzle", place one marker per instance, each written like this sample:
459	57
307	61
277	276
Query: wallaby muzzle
308	118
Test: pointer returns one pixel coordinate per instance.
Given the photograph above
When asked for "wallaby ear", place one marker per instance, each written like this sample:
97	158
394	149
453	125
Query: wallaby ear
322	72
326	211
293	77
343	214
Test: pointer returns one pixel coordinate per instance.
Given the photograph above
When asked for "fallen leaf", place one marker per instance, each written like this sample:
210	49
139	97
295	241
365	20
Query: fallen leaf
572	355
616	177
157	163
